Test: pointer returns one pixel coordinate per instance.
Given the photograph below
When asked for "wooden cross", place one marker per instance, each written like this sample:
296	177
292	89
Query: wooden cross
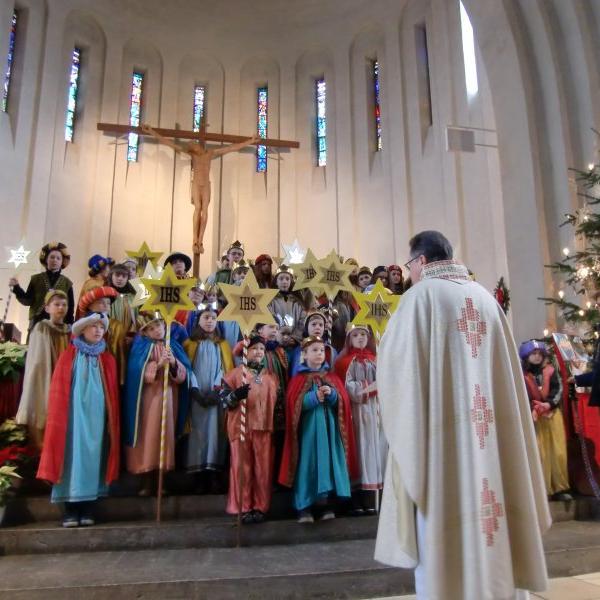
201	159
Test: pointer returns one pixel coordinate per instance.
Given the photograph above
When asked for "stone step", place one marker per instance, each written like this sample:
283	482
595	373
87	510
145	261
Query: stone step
215	532
343	569
28	509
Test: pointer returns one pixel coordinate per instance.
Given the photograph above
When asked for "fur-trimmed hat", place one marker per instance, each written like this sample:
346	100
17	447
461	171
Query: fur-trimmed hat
102	291
60	247
97	263
187	261
81	324
51	293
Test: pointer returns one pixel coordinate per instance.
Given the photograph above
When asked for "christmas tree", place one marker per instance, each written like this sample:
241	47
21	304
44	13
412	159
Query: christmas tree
580	268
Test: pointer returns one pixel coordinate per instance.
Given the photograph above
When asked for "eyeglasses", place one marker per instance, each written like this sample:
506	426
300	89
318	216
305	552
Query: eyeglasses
407	264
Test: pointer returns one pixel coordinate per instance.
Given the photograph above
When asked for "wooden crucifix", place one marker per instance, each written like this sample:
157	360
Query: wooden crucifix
201	158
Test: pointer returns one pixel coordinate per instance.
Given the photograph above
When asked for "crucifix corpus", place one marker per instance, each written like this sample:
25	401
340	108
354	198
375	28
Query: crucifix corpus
201	158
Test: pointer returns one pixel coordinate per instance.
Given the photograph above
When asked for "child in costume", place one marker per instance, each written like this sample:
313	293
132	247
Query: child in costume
287	306
142	405
211	359
314	326
121	308
380	272
99	299
132	267
99	268
263	270
396	280
277	363
47	340
364	278
319	456
55	257
235	253
82	439
544	390
259	387
357	367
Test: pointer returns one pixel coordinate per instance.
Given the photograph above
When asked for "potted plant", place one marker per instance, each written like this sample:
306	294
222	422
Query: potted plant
12	366
14	451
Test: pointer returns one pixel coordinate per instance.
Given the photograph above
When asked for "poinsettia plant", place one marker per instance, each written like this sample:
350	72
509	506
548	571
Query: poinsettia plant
14	452
12	360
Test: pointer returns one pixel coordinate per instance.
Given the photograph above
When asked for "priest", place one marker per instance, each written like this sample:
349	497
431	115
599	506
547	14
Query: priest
464	500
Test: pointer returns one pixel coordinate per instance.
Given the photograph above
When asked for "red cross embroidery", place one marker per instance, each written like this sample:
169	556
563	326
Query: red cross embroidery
481	416
472	326
490	511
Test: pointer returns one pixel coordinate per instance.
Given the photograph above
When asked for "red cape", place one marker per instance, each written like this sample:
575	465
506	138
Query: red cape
53	452
344	360
298	386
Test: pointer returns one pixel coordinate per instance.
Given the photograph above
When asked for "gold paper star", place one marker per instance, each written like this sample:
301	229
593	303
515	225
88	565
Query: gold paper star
307	272
168	294
248	304
141	293
143	256
18	256
376	307
333	275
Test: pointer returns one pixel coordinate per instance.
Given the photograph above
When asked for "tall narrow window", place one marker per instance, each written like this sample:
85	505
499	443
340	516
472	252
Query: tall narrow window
199	95
423	78
72	100
261	128
468	44
321	97
9	60
135	115
377	106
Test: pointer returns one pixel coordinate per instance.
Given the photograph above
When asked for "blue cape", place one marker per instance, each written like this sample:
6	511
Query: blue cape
139	355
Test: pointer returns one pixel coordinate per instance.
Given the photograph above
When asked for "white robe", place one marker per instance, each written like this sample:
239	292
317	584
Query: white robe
462	445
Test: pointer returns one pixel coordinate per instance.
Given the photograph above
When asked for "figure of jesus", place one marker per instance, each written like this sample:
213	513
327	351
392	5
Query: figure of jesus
201	159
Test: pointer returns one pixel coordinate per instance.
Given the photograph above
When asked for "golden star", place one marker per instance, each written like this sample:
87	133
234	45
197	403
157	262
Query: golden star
307	272
333	275
141	293
294	253
168	294
248	304
143	256
376	307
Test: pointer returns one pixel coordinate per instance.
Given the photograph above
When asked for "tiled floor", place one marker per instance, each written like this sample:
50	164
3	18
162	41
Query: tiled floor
581	587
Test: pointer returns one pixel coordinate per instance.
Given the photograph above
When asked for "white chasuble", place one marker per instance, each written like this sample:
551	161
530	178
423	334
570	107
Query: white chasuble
462	444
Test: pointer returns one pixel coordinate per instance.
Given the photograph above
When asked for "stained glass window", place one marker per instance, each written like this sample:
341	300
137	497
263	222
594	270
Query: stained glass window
261	151
378	142
9	61
199	95
135	115
321	93
73	89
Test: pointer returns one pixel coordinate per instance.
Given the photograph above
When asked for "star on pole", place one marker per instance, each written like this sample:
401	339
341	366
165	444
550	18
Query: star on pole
18	256
333	275
143	256
141	292
294	253
247	304
376	307
307	272
168	294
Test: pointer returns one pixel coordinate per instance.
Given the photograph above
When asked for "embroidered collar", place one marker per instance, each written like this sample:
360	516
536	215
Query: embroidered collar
445	269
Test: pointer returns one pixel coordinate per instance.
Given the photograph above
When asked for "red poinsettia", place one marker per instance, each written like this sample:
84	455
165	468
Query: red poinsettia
14	453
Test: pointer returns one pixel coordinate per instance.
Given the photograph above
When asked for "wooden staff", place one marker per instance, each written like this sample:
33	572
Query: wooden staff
163	427
243	411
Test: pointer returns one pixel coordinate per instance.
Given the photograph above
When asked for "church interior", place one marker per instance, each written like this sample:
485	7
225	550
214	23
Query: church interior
387	117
